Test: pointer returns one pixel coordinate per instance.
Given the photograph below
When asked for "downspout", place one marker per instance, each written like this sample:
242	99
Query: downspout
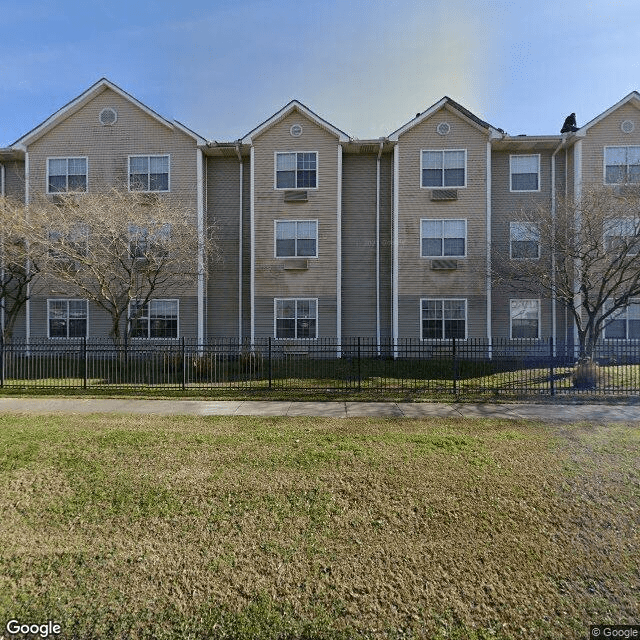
201	252
394	249
553	248
339	256
378	246
252	275
488	223
2	301
241	178
577	196
27	197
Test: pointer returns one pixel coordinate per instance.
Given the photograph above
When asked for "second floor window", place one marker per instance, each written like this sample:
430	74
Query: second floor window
525	173
149	243
66	175
444	168
524	240
443	238
296	170
621	164
296	238
149	173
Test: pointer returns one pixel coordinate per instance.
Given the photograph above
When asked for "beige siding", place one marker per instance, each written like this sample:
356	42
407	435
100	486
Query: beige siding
271	279
14	180
416	278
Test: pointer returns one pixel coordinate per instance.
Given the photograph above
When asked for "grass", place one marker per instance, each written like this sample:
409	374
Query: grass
234	528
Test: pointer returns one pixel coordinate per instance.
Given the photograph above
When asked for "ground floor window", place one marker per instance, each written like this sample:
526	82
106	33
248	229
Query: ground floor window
296	317
67	318
525	318
155	319
444	318
624	324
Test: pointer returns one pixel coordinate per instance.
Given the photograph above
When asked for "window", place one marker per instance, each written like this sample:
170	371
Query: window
622	234
525	318
67	318
149	173
525	240
439	238
296	318
621	164
74	244
444	168
66	175
444	319
155	319
624	324
150	244
525	173
296	238
296	170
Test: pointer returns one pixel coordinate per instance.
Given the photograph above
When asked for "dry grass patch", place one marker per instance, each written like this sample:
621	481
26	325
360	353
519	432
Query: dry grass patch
229	527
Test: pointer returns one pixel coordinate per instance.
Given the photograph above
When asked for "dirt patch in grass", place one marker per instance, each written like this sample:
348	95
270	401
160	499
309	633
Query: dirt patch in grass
229	527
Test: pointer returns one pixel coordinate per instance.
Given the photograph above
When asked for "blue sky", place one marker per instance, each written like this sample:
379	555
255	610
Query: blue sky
222	67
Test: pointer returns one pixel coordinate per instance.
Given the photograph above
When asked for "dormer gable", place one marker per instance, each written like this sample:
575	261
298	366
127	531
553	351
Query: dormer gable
632	99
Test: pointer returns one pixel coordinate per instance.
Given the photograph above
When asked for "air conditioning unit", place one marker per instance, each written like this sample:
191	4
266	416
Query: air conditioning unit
295	196
440	195
444	265
296	264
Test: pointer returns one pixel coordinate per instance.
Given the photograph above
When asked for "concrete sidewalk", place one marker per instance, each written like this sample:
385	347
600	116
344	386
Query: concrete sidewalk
550	412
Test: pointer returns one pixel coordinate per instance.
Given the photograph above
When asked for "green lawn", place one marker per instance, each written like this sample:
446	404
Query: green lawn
229	527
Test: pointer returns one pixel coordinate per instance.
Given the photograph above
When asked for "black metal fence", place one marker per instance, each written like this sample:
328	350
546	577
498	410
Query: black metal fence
421	368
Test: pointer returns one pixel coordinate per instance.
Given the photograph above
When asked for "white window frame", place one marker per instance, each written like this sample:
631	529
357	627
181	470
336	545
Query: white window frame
83	238
511	172
512	226
443	220
135	233
67	301
443	151
67	158
149	156
626	166
443	300
275	238
621	314
275	317
296	187
149	318
511	318
619	224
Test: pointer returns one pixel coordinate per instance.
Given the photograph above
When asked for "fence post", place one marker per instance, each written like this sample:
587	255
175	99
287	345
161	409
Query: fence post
85	361
359	368
269	362
552	387
455	368
184	362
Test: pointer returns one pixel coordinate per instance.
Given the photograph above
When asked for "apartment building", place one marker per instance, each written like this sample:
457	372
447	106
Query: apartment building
323	235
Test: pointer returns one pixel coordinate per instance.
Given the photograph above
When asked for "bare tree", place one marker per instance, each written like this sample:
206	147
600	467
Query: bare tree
589	257
21	260
119	249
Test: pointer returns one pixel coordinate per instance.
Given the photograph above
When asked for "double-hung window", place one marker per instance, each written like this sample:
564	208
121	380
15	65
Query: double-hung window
296	238
621	165
67	318
296	317
66	175
443	319
155	319
70	246
149	243
622	234
524	240
149	173
297	170
525	318
446	168
525	172
440	238
624	324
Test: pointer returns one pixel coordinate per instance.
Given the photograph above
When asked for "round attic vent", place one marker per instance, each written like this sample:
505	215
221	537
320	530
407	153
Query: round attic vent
443	128
108	116
627	126
296	130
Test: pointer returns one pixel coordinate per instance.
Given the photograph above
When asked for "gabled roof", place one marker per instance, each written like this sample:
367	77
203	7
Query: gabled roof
633	97
294	105
451	104
77	103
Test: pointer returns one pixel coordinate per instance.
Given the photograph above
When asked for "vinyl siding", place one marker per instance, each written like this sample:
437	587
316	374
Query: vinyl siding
416	278
14	180
271	279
